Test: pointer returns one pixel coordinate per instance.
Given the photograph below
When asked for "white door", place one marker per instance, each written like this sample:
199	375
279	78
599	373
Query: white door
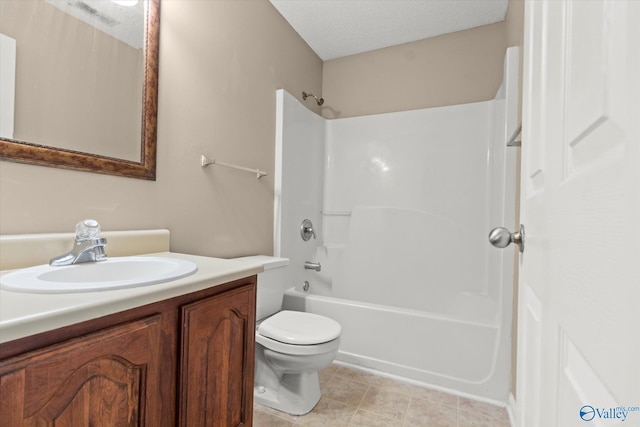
579	290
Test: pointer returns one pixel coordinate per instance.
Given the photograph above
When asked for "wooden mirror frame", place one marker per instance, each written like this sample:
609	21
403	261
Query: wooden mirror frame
36	154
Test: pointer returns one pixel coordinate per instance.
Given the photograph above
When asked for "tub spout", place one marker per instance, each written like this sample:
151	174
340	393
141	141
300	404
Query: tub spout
312	266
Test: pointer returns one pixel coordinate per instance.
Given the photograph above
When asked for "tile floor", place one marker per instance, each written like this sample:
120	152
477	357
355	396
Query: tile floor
356	398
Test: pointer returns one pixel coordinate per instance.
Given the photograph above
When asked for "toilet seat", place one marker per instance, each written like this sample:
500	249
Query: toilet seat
297	350
299	328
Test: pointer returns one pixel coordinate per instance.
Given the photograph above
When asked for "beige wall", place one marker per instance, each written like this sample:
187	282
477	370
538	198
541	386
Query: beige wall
220	64
451	69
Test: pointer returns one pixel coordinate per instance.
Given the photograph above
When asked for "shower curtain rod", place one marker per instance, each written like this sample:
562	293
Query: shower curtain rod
205	161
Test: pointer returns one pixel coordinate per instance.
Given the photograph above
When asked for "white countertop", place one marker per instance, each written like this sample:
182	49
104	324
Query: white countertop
25	314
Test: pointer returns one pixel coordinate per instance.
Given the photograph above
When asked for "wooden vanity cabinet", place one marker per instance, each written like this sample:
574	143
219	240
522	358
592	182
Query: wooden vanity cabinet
186	361
105	378
216	369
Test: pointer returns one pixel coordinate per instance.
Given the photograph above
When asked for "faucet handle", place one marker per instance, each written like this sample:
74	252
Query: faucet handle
87	229
306	230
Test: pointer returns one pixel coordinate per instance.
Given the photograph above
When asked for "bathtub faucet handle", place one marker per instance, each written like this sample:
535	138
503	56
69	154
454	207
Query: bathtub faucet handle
306	230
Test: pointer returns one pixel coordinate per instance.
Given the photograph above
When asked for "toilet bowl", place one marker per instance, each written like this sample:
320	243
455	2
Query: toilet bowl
286	369
291	346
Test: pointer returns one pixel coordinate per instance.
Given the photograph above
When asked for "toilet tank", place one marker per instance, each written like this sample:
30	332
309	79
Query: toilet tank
271	283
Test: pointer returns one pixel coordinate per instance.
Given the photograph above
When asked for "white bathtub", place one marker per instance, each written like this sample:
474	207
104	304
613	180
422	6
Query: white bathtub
434	349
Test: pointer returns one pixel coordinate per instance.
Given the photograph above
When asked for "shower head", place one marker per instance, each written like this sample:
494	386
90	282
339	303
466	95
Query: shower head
305	95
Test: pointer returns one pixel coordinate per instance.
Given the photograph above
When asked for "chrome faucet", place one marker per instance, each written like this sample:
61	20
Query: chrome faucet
87	247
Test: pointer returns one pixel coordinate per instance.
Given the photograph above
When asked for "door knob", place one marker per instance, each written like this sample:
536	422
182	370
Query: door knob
500	237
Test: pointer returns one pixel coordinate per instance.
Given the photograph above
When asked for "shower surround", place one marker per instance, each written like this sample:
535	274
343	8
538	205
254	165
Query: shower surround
402	204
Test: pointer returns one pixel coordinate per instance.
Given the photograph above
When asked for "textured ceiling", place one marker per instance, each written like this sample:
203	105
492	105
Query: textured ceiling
337	28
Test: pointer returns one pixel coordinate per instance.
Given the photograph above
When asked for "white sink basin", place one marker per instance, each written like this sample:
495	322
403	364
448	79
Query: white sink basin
114	273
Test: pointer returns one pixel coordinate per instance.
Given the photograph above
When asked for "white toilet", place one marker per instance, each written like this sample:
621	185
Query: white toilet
291	346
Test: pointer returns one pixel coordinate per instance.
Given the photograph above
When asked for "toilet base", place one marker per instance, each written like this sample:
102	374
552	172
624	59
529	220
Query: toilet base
286	375
295	394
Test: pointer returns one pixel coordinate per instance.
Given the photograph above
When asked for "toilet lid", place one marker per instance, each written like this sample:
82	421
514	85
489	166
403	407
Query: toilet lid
297	327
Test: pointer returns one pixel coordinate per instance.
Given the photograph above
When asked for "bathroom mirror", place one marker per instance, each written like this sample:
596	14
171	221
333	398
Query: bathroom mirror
85	84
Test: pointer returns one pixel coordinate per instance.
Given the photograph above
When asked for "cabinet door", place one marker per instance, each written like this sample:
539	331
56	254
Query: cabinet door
107	378
217	360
